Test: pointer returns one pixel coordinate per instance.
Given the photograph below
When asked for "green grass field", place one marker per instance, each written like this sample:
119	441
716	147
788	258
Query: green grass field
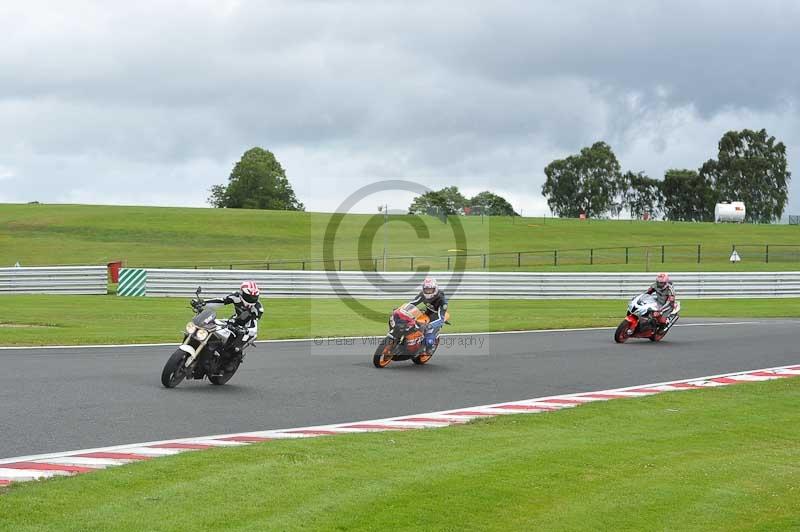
75	320
723	459
188	237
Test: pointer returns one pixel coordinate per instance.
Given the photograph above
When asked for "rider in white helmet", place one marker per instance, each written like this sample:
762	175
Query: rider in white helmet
665	296
435	307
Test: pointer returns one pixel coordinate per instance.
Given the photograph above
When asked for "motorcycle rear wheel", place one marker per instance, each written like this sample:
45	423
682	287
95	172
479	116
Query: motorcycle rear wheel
175	369
222	379
424	358
621	334
383	354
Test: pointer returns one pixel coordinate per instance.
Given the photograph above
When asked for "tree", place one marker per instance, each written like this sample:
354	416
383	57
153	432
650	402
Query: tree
258	181
751	167
447	200
640	194
495	205
425	203
453	200
584	183
688	196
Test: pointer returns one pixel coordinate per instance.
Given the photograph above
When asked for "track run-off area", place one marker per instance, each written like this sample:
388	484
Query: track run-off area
75	398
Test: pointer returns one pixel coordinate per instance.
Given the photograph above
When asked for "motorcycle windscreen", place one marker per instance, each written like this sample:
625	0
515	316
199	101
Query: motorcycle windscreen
411	310
647	299
205	319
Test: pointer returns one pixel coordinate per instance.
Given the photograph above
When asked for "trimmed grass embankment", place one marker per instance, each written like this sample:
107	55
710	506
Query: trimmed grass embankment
717	459
187	237
76	320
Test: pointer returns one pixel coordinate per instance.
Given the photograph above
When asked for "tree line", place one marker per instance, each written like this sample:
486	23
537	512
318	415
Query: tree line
449	200
258	181
751	166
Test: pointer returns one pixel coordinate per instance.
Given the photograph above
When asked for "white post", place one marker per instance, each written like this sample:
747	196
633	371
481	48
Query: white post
385	234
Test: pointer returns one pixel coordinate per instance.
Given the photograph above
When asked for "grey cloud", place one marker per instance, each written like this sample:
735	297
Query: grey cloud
481	93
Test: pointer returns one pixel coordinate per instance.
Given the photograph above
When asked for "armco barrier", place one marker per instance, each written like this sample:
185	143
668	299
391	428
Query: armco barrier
89	280
479	285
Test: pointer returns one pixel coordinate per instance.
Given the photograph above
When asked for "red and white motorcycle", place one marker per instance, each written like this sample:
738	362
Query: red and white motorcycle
642	320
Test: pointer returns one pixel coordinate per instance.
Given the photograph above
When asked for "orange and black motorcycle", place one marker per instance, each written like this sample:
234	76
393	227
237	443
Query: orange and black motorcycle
406	339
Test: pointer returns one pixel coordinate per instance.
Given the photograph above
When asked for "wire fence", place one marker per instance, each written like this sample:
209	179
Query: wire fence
645	256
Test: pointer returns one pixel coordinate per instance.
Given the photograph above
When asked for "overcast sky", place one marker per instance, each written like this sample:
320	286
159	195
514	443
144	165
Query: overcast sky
153	102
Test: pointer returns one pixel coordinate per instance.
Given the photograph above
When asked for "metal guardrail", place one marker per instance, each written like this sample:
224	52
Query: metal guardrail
401	285
472	285
82	280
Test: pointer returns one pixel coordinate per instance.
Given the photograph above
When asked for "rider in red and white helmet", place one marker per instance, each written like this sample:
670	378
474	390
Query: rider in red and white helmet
435	307
249	293
665	296
248	308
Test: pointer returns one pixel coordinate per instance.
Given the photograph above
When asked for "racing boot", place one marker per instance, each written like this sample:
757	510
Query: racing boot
431	342
662	321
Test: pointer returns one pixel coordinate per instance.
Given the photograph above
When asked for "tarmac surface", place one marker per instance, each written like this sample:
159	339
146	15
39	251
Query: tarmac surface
67	399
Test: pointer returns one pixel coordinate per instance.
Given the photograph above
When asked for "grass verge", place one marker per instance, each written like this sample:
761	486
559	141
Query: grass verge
81	320
716	459
185	237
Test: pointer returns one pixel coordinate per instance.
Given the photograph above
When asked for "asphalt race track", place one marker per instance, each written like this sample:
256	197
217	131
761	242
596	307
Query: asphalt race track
65	399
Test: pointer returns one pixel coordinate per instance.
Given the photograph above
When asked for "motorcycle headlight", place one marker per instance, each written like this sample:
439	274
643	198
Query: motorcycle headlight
190	328
201	334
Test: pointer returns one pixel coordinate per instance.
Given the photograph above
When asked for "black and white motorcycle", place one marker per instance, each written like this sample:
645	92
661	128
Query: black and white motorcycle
207	350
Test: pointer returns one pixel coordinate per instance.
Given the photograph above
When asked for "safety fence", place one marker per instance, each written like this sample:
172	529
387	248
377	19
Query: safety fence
479	285
647	257
87	280
393	285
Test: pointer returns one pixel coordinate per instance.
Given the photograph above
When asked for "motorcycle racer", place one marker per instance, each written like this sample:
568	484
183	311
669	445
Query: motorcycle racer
665	297
248	310
435	302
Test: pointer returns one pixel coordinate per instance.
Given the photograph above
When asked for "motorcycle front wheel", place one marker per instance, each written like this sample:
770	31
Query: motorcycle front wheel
383	354
621	334
175	369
